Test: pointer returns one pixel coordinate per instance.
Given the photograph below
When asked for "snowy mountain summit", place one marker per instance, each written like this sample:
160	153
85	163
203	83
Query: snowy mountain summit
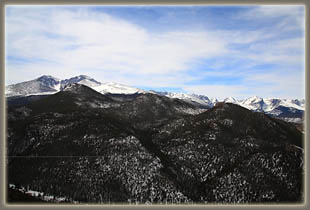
81	79
192	98
115	88
43	85
291	110
49	85
288	109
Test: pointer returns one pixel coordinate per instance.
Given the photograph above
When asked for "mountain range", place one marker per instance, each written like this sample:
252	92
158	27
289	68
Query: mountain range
291	110
143	148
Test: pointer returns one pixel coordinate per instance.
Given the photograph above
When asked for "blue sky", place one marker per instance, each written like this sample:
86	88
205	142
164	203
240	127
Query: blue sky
217	51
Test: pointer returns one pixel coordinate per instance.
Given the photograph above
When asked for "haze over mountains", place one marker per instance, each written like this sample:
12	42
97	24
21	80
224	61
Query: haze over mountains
290	110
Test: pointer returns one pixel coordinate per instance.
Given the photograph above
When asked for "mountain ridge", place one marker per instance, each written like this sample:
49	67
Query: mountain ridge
148	149
288	109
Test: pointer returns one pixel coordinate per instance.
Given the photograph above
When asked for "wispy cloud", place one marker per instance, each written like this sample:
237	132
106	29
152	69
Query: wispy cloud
83	40
66	41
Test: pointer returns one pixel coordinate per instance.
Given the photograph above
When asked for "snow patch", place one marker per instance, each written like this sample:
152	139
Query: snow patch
116	88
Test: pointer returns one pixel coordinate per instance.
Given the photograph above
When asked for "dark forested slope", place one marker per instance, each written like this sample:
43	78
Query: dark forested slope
90	147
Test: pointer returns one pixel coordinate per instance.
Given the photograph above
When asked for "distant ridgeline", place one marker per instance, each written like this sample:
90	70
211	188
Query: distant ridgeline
22	93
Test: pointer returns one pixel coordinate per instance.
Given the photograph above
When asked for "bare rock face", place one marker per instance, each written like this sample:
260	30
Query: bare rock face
148	148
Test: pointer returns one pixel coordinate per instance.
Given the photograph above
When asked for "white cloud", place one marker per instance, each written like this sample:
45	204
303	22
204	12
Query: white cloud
64	43
292	16
83	40
263	11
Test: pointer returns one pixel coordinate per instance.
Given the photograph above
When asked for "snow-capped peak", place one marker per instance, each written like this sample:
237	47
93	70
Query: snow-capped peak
230	100
192	98
254	99
214	100
47	77
40	86
115	88
71	86
84	77
81	79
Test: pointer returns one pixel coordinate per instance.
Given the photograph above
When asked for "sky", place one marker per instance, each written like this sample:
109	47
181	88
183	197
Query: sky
217	51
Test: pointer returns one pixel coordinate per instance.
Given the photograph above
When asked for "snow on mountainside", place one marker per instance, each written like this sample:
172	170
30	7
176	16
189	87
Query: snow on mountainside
115	88
200	99
230	100
287	109
50	85
81	79
270	106
291	110
43	85
267	104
